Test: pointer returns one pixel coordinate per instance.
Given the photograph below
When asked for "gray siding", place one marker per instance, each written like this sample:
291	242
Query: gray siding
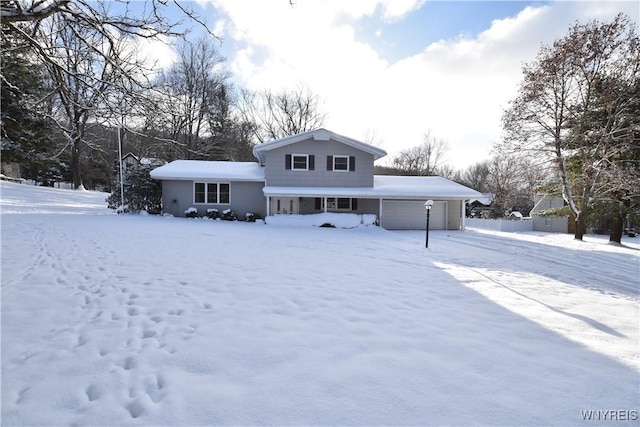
177	196
278	175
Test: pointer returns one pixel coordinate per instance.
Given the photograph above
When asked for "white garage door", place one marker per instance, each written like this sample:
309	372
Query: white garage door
411	215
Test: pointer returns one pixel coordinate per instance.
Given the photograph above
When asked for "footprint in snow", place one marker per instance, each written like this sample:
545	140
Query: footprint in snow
93	392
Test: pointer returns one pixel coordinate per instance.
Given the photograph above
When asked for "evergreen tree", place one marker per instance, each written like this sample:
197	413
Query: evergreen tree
141	193
25	134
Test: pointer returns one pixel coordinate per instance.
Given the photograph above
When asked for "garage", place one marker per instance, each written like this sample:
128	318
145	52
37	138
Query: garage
411	215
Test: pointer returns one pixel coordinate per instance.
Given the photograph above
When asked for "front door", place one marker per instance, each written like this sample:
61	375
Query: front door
285	205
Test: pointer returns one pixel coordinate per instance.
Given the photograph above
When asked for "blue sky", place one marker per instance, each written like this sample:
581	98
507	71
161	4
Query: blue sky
434	21
396	69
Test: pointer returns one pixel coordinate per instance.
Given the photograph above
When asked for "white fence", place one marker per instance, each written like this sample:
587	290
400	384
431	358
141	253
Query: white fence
500	224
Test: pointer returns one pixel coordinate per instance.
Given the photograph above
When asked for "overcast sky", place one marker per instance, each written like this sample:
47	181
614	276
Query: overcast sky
399	68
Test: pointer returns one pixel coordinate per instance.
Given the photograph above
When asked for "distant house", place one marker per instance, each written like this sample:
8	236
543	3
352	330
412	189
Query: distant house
313	172
480	207
129	160
550	223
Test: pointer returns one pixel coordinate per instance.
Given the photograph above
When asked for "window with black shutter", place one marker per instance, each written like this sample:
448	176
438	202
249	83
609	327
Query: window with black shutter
341	163
300	162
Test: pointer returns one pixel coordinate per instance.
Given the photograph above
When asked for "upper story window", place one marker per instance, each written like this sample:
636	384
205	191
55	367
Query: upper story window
299	162
218	193
341	163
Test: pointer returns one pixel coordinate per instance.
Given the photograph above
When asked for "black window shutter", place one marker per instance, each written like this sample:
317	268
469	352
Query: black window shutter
287	161
352	163
318	203
354	204
329	163
312	162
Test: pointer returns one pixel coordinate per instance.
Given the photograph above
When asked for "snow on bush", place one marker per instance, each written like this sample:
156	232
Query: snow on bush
228	215
192	213
212	213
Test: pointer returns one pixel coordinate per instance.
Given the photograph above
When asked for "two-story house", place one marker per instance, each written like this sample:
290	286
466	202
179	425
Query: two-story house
312	172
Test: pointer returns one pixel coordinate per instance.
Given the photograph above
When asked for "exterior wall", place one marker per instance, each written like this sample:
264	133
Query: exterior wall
551	224
454	214
369	206
177	196
277	175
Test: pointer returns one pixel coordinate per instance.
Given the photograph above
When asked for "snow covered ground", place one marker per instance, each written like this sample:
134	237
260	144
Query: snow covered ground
146	320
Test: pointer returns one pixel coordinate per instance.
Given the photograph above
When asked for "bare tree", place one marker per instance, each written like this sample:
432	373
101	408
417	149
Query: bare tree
371	137
85	84
476	176
186	95
513	180
280	114
552	114
425	159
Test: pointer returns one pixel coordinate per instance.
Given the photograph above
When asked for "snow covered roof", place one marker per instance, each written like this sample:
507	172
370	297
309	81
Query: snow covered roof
206	169
318	135
419	186
405	187
387	186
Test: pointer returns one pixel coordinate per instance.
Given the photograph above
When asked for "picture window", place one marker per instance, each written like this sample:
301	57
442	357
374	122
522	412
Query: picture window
211	193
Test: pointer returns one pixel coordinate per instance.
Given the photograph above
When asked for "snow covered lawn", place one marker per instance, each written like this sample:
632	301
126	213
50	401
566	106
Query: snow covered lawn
145	320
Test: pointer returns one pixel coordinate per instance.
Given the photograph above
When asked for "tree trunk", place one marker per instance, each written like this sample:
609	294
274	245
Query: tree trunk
581	226
617	225
75	165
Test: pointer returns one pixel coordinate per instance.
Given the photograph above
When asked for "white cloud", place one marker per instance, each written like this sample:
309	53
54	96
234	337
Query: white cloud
457	88
395	9
155	51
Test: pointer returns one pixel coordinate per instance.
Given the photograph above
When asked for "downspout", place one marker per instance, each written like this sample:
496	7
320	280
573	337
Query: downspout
463	215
